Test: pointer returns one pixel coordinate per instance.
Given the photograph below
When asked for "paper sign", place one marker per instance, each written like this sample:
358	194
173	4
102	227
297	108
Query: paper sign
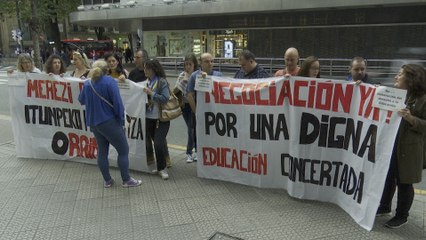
389	98
203	84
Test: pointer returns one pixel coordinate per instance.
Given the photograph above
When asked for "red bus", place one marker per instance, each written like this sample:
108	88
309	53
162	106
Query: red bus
94	49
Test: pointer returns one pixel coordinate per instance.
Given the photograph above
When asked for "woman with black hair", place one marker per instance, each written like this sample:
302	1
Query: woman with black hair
158	93
115	68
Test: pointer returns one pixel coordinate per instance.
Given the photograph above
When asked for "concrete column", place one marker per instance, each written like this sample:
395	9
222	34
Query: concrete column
140	37
4	36
134	28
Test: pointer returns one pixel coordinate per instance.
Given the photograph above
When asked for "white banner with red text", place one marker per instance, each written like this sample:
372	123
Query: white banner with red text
48	121
318	139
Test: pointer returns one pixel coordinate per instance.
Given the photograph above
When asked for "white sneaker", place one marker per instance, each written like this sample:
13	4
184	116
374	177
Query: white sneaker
189	158
195	158
164	175
155	171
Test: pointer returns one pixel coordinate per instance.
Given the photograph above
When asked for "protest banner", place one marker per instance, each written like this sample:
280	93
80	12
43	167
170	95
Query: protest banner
48	121
318	139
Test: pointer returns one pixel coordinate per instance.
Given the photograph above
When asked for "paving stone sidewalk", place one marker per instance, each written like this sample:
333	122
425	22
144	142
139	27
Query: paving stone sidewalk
47	199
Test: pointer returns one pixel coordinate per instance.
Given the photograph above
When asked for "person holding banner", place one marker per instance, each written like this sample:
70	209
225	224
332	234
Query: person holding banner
358	71
55	65
25	64
407	160
105	117
138	73
190	65
158	92
206	62
310	68
291	59
250	69
116	69
81	65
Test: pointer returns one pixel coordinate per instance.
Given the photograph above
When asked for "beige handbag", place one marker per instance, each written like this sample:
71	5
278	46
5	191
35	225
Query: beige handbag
171	109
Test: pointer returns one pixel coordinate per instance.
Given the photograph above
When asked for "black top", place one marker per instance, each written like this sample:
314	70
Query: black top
84	74
258	72
137	75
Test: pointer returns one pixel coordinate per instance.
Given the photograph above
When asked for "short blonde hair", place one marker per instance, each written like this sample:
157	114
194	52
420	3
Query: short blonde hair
82	58
100	68
24	57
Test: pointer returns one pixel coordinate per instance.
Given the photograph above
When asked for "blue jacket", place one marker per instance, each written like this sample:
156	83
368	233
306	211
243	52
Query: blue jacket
98	111
161	94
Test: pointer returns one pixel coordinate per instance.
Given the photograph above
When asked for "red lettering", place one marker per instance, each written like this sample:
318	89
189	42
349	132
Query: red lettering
74	144
343	98
259	100
234	163
297	85
311	95
40	89
222	98
237	99
272	94
328	88
82	146
80	85
285	93
32	87
364	97
248	94
256	164
369	108
242	153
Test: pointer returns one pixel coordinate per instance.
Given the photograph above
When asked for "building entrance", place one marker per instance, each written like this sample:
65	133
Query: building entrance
228	43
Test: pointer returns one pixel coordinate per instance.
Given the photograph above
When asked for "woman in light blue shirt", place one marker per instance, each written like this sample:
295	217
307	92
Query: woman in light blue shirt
156	131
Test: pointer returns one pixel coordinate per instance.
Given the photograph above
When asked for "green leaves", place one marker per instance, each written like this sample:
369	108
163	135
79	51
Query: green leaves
46	8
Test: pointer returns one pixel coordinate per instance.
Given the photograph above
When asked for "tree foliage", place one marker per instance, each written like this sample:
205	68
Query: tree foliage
47	9
40	15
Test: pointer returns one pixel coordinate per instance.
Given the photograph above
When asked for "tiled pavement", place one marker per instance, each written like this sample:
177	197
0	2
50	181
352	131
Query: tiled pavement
45	199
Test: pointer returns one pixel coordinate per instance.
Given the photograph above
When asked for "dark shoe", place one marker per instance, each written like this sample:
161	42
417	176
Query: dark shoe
396	222
132	183
109	183
383	212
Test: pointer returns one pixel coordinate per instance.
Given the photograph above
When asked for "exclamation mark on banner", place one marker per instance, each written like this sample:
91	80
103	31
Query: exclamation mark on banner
388	116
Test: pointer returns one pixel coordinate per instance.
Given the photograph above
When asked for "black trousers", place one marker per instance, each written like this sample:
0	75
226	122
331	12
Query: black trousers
156	132
405	191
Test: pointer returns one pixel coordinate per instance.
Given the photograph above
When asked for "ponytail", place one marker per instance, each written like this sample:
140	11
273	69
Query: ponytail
95	73
99	69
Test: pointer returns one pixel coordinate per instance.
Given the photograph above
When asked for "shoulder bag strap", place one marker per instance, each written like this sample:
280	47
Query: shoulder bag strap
106	101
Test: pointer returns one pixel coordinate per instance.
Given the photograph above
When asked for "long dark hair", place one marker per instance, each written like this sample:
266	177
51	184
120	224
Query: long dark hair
192	58
155	65
119	69
48	66
306	66
415	77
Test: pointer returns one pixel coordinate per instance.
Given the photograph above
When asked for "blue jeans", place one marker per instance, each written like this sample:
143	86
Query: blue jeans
156	132
112	132
187	116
